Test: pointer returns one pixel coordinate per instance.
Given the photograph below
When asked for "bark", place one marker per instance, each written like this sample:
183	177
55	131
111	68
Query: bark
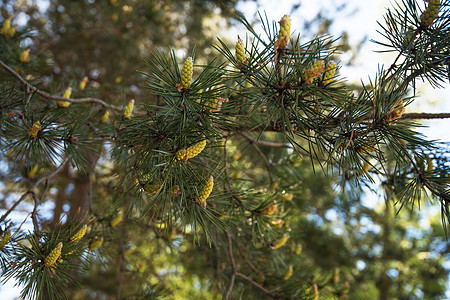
80	198
62	183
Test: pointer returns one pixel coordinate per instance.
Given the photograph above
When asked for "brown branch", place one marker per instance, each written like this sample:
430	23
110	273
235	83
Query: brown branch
264	158
257	285
278	145
264	143
32	192
32	88
14	206
56	171
427	116
37	231
249	263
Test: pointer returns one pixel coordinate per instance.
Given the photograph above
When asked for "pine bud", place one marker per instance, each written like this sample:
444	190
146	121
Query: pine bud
186	76
270	209
79	235
240	52
12	31
430	14
430	165
298	249
116	221
83	83
216	104
191	151
10	153
394	115
105	118
7	29
128	110
336	275
32	173
173	191
287	196
5	239
128	252
206	191
316	70
277	223
284	33
67	93
316	292
346	288
366	148
152	188
25	56
329	73
95	244
33	131
51	259
288	273
273	186
281	242
199	95
6	26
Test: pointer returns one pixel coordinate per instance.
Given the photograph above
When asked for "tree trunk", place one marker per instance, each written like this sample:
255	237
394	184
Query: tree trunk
80	199
63	182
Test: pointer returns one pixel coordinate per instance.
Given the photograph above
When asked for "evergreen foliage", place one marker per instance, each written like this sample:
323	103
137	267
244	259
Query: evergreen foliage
220	178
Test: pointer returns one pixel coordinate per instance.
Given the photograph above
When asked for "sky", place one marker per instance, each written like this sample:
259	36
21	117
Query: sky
359	19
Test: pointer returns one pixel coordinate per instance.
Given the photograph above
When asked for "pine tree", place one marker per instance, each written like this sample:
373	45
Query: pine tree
232	165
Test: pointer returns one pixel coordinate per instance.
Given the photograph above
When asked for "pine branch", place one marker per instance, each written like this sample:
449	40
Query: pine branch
33	187
257	285
265	143
14	206
265	160
37	231
426	116
55	97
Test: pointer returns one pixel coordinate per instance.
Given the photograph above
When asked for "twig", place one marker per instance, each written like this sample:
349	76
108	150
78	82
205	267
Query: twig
265	160
32	192
14	206
233	266
56	171
265	143
227	187
249	263
37	231
121	266
54	97
427	116
257	285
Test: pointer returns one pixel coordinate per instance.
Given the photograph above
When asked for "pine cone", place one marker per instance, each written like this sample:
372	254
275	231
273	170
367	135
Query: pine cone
51	259
186	76
80	233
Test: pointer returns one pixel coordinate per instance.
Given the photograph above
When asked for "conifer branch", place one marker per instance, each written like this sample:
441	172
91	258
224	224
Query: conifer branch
425	116
276	145
33	187
265	160
34	89
257	285
37	231
5	215
264	143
